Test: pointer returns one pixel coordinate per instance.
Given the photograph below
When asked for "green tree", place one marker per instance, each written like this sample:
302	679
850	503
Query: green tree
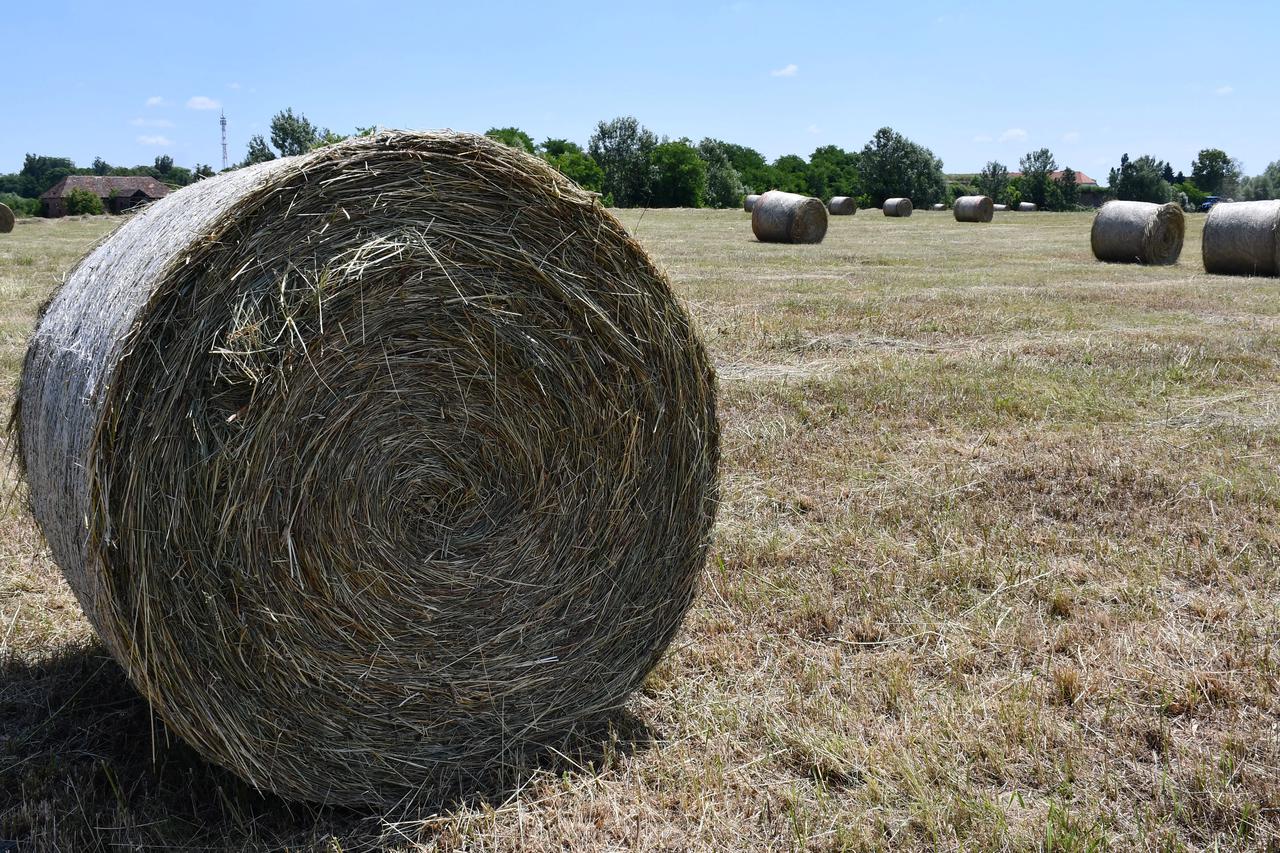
1068	189
891	165
791	174
679	175
1140	180
203	170
624	150
993	179
80	201
164	164
1037	166
1214	172
39	173
557	147
259	151
833	171
724	184
1261	187
100	166
579	168
513	136
756	173
292	134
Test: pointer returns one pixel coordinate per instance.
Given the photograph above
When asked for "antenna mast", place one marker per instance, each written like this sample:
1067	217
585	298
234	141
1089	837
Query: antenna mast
223	121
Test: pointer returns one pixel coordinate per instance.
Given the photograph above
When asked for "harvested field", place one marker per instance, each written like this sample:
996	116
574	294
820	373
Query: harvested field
997	567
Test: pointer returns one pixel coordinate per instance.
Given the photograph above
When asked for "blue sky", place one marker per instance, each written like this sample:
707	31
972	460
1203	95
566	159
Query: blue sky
973	81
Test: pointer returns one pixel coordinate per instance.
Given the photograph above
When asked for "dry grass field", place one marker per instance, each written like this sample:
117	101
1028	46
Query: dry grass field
997	567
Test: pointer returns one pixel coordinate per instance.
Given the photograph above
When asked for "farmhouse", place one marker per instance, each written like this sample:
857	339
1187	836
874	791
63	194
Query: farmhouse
118	194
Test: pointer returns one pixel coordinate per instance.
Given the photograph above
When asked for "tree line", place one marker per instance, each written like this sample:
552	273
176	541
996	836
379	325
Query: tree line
631	166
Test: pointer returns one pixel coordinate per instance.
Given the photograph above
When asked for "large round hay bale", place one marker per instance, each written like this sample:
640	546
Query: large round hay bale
378	469
1242	238
937	206
1000	207
974	208
749	203
1026	207
897	207
6	219
780	217
1138	232
842	205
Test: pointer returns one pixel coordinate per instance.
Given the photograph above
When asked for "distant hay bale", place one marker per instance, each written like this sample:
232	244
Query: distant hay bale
1026	207
749	202
379	469
974	208
1242	238
1138	232
897	207
1000	207
938	207
779	217
842	205
6	219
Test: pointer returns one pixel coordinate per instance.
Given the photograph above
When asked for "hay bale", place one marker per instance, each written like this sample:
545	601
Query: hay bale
378	469
974	208
749	203
6	219
1138	232
936	207
780	217
1026	207
897	207
842	205
1000	207
1242	238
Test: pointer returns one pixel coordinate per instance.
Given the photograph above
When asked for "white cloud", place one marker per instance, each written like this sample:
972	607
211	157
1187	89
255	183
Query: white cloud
813	128
786	71
155	101
161	141
1071	137
151	122
1013	134
1223	90
200	102
982	137
233	85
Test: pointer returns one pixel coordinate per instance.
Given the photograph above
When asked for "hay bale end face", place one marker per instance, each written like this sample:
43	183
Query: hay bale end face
446	476
749	203
1138	232
974	208
6	219
780	217
842	205
897	207
1026	207
1242	238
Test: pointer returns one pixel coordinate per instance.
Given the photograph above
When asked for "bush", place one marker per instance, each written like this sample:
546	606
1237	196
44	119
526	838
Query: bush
21	207
1195	197
81	201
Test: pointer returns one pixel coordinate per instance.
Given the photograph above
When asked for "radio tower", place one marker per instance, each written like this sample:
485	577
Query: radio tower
223	121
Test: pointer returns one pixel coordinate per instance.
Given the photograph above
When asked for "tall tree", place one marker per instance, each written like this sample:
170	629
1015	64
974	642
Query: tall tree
259	151
513	136
1037	167
100	166
679	175
624	149
40	172
164	164
1140	180
993	179
724	184
1068	189
892	165
293	134
1214	172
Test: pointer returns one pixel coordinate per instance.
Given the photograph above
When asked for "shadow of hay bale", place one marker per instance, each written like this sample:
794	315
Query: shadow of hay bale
84	764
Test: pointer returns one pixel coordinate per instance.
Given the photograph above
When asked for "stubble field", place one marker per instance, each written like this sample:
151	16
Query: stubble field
997	567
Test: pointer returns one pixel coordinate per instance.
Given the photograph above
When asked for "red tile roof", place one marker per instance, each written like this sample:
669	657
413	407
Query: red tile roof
102	186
